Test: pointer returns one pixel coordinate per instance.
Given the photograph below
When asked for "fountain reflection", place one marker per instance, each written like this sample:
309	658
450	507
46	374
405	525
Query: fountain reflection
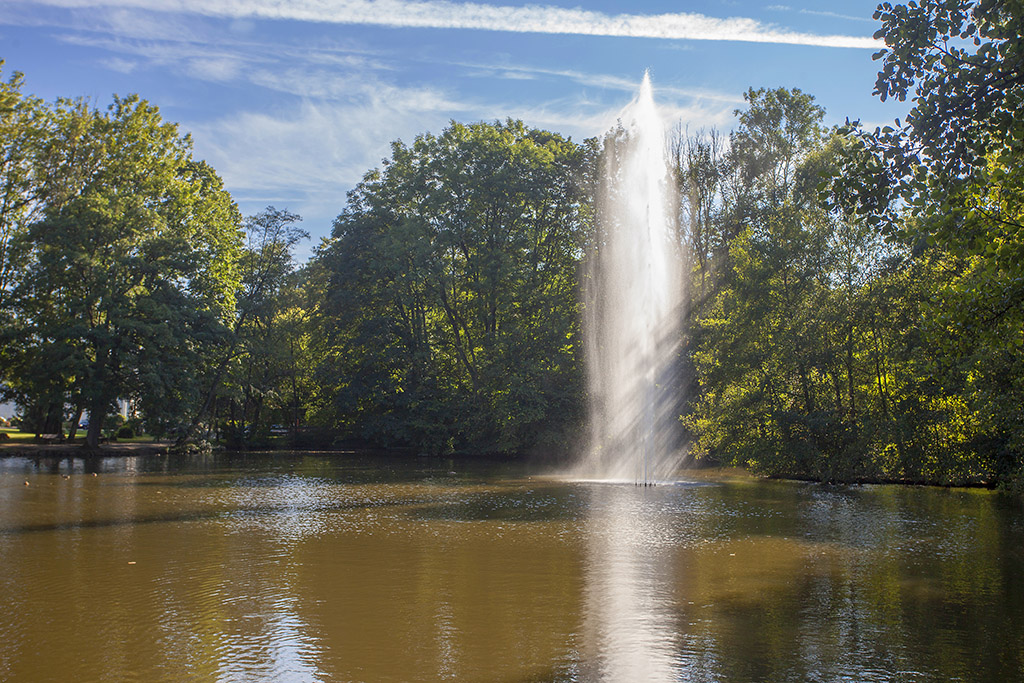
629	628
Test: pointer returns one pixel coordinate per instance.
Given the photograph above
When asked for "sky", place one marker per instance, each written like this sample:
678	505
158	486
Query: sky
293	101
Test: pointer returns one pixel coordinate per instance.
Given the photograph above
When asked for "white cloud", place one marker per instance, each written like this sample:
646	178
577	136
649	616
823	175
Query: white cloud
528	19
836	15
199	60
305	72
305	158
221	69
325	147
123	66
597	80
818	13
128	23
336	74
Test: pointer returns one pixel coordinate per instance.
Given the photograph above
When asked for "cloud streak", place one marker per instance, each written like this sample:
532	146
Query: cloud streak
597	80
305	156
441	14
819	13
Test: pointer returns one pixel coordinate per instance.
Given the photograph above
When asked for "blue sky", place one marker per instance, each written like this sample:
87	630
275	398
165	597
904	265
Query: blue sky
292	101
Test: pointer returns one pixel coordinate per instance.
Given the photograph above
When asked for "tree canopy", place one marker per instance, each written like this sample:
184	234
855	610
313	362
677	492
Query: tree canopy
449	316
126	270
856	297
947	183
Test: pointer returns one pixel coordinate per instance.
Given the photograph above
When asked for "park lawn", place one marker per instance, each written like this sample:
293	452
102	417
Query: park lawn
142	438
15	435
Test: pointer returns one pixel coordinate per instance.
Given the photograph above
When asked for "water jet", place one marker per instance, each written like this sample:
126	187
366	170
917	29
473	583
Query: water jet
633	306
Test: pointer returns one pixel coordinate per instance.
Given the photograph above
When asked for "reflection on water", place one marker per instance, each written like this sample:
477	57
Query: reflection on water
628	626
315	568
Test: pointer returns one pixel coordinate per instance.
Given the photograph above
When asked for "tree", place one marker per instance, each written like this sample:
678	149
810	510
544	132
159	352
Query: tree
257	365
702	173
778	128
949	179
815	349
451	304
130	267
24	123
778	343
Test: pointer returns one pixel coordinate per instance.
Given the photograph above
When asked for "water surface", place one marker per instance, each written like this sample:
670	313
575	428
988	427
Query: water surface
307	567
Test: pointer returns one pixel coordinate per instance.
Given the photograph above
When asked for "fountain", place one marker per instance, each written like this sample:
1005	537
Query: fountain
633	306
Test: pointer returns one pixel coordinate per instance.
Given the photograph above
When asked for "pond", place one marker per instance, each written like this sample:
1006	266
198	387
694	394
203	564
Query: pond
328	567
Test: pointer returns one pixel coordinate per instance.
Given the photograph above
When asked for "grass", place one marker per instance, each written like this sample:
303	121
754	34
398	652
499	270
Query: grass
142	438
15	436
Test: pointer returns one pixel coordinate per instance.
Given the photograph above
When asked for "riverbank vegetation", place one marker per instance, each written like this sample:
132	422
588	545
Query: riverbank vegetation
856	297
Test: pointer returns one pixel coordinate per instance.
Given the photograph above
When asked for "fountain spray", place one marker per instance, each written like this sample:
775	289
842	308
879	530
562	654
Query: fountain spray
633	305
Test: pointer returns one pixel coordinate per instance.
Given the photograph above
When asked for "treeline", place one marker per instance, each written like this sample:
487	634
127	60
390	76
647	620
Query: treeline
127	273
856	297
859	296
442	314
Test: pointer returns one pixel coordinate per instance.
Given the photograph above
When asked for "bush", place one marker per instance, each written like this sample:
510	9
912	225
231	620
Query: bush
126	432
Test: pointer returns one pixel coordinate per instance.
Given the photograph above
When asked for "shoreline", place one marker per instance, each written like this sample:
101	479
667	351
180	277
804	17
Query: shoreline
78	450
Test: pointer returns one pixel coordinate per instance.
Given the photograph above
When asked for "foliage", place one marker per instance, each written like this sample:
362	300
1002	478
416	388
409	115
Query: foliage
764	354
24	123
449	318
264	381
814	350
947	184
128	269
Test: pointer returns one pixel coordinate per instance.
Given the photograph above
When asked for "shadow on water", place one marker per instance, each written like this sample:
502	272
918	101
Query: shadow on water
329	483
192	516
354	467
547	504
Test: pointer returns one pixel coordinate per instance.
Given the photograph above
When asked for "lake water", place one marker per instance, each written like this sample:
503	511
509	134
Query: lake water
307	567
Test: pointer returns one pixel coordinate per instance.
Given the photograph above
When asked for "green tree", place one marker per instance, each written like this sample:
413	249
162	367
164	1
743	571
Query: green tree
24	122
451	303
948	179
130	268
702	174
257	372
777	345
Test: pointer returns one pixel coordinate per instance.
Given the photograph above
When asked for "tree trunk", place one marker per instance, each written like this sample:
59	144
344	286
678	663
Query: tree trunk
99	404
849	370
96	415
74	423
54	422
